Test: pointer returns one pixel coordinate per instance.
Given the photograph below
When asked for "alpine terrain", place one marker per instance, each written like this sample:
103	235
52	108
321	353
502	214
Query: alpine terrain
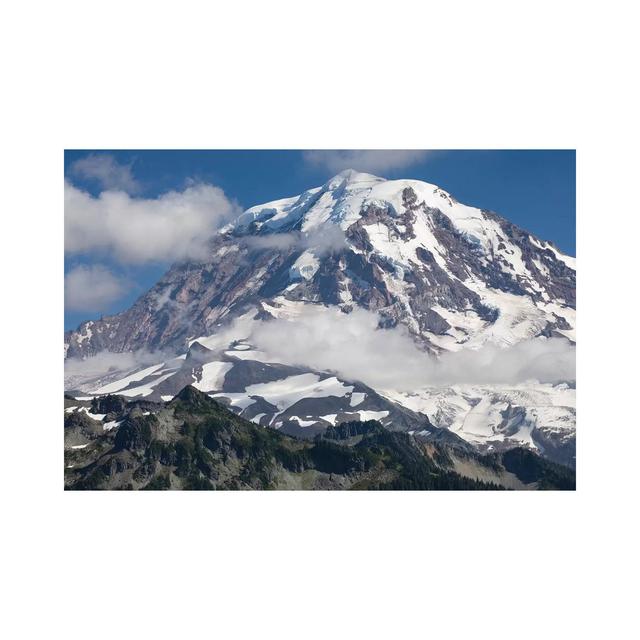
443	330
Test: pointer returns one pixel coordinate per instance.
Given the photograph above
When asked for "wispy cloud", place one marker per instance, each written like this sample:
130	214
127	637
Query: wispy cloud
353	346
176	225
328	240
92	288
367	160
107	172
83	371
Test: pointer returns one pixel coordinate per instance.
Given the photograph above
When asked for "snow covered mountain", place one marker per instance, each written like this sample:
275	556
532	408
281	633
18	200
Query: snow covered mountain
454	278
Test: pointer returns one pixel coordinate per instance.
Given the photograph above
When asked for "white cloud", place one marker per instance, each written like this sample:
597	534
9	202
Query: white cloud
353	346
81	372
322	242
176	225
106	171
91	288
108	362
367	160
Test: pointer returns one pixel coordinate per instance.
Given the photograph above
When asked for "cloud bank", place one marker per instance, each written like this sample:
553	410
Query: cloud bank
368	160
91	288
354	347
106	172
177	225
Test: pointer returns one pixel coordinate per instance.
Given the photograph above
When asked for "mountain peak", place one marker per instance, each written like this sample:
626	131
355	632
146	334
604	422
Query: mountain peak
454	275
351	176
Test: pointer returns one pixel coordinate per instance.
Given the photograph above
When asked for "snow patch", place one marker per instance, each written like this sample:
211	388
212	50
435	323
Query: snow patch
304	267
372	415
125	382
357	398
213	374
95	416
286	392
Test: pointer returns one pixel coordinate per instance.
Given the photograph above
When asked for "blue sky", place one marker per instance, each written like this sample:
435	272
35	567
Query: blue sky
533	189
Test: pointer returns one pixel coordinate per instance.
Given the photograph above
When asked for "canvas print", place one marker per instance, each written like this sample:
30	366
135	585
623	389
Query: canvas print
319	320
